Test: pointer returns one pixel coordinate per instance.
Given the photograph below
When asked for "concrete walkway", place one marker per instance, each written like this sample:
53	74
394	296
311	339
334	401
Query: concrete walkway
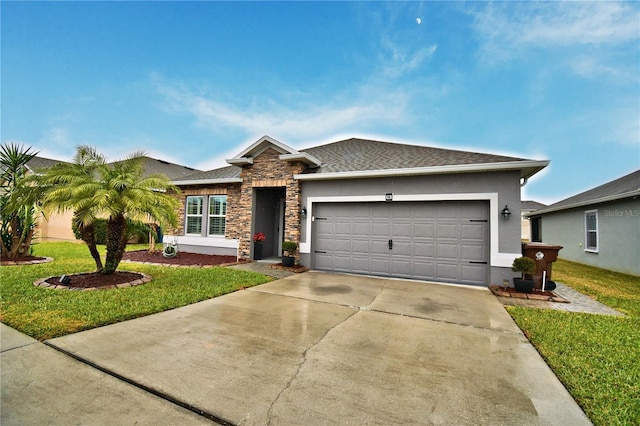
312	348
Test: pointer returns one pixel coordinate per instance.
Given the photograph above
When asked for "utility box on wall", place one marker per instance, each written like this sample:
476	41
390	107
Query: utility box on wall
544	255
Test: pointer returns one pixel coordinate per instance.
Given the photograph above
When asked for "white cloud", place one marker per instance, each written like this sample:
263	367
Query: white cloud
298	121
512	29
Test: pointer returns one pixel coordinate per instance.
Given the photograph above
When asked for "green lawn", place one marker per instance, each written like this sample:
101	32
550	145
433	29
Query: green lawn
43	313
597	357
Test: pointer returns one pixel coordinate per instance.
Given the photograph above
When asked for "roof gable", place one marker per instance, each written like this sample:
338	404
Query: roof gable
286	153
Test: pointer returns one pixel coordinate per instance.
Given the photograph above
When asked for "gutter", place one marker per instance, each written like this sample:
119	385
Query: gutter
206	181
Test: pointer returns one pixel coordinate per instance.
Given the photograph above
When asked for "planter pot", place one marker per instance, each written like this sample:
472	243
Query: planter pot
288	260
524	286
170	251
257	251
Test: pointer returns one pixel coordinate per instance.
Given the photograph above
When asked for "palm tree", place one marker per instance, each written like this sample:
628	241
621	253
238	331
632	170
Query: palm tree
17	201
126	194
119	191
71	188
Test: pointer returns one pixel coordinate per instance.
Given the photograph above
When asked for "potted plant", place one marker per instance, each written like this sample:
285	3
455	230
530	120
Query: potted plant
258	239
526	266
289	253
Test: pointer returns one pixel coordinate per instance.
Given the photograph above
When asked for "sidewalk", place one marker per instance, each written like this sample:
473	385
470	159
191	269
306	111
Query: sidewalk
41	385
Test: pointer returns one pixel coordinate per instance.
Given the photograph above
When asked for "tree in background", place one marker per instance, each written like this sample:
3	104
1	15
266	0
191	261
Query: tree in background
18	200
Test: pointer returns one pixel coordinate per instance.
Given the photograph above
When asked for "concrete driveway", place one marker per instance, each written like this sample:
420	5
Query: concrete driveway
319	348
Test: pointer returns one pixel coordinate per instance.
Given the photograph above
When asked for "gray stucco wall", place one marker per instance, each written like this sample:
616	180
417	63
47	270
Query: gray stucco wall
618	234
505	184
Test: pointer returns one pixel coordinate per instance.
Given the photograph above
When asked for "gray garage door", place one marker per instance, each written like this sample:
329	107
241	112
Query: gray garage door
440	241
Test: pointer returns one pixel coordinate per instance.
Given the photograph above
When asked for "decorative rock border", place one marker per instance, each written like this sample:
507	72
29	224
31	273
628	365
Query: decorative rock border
500	292
26	262
43	283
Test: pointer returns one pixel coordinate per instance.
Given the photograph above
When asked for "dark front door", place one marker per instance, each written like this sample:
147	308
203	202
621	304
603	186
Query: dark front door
268	218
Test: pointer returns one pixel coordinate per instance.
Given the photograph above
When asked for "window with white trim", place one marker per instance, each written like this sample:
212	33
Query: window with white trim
217	215
591	231
193	215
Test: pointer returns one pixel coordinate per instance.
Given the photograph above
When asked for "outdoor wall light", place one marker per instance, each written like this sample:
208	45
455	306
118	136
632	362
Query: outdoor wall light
304	212
505	212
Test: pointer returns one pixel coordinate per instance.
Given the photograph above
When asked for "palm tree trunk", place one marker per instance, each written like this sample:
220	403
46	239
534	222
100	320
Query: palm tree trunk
116	243
87	234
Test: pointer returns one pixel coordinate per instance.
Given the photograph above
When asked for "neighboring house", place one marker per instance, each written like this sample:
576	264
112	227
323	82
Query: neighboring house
363	206
57	226
526	208
599	227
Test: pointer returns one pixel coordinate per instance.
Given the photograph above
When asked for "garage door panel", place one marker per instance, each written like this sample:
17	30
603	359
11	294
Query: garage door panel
447	251
380	247
424	269
424	229
379	266
472	232
402	229
402	248
342	228
447	230
431	240
472	253
470	272
424	249
448	271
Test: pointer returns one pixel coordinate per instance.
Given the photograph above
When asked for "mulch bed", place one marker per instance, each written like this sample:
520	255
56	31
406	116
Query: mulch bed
183	258
94	280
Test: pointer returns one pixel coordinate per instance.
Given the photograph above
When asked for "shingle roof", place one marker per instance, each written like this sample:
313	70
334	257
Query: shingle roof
151	166
625	187
229	172
367	158
352	155
529	205
171	170
38	163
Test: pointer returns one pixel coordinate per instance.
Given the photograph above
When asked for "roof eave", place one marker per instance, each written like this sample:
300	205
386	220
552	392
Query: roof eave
527	169
206	181
600	200
241	161
302	157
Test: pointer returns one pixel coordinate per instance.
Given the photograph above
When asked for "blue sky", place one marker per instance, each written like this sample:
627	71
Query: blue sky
197	82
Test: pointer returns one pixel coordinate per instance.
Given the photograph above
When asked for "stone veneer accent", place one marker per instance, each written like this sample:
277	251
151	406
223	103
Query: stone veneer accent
267	171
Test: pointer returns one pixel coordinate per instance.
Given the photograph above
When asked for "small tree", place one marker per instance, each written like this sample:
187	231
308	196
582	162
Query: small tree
17	201
524	265
119	192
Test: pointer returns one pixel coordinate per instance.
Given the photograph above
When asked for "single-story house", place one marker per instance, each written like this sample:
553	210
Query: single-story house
57	226
598	227
363	206
527	207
